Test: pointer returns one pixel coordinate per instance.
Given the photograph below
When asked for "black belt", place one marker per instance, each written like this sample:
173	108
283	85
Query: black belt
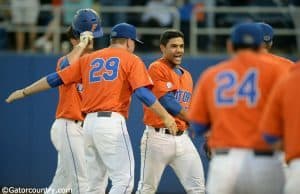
77	121
104	114
256	152
167	131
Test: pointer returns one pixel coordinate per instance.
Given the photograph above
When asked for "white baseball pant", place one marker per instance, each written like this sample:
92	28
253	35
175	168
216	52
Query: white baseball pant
159	150
292	185
108	153
242	171
67	138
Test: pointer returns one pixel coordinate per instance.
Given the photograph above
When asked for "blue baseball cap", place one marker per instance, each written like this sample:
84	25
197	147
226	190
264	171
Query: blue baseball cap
267	31
124	30
87	20
247	34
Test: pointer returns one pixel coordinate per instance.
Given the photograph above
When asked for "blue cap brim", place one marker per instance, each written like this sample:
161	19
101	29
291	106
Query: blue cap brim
137	40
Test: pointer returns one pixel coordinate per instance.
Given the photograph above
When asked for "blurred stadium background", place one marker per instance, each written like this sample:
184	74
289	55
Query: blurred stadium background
28	158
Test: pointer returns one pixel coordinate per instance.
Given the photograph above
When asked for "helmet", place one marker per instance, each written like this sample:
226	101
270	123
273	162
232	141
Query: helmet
87	20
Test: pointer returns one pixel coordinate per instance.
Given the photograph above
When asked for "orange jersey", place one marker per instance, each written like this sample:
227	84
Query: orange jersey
280	60
165	80
69	103
281	114
230	98
109	77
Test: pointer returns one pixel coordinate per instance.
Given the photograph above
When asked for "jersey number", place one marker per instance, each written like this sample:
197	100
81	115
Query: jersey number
104	70
229	90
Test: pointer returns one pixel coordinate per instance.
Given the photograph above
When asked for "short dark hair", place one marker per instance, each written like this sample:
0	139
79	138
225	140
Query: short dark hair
70	33
169	34
237	47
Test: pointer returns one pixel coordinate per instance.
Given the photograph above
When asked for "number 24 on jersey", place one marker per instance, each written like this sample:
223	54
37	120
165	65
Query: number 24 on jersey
230	90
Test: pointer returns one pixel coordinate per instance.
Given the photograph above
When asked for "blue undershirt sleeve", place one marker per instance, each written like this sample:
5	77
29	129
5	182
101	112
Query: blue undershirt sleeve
64	63
169	102
270	139
145	95
54	80
200	129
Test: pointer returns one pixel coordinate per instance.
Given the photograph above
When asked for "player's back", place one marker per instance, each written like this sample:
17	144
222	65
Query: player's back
109	77
238	89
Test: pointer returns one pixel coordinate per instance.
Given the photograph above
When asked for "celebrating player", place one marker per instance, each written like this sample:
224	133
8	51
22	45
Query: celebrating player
66	131
228	100
109	77
173	87
280	125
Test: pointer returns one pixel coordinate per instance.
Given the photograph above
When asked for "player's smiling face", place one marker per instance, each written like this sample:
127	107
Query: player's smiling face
173	51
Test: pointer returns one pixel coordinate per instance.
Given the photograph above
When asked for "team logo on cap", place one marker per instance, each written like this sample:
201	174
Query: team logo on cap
267	38
248	39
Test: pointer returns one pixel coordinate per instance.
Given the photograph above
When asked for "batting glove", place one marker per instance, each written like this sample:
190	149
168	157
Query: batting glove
85	38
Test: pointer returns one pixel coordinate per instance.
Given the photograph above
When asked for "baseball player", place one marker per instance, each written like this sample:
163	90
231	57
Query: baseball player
280	125
228	100
109	77
173	87
268	35
66	131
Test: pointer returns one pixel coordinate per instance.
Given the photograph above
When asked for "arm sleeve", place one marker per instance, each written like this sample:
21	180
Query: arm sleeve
169	102
200	129
145	95
63	63
71	73
137	74
54	80
271	122
270	139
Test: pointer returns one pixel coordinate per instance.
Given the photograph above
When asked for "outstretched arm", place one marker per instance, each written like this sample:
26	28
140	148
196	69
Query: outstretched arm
51	80
47	82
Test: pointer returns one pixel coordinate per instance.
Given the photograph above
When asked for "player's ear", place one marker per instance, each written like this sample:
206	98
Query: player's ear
127	44
162	48
229	47
74	41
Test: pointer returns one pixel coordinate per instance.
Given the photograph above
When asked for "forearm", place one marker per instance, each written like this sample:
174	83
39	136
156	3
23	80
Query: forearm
150	101
36	87
183	115
158	109
76	52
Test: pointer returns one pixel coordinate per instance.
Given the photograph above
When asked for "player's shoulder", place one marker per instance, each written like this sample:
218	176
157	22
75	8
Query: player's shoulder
158	65
185	71
62	63
60	59
281	59
219	67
